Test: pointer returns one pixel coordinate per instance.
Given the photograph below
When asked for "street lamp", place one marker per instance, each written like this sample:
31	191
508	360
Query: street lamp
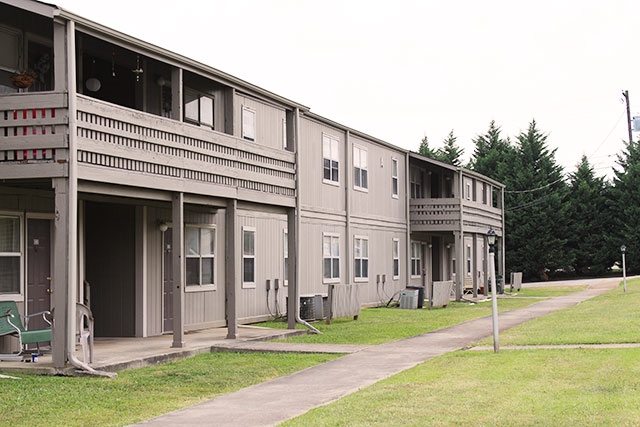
623	249
491	240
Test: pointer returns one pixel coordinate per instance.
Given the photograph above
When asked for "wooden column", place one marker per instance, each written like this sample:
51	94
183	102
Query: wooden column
232	266
178	269
293	293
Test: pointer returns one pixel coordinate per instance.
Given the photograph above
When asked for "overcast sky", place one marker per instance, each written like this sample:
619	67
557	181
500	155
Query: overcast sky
399	70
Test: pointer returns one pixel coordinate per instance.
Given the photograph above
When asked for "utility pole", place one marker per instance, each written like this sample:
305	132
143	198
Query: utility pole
625	93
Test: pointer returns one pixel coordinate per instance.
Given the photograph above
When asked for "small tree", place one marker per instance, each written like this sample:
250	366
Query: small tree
451	153
424	148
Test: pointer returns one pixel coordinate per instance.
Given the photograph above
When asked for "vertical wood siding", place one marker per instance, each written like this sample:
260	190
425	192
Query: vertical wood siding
269	118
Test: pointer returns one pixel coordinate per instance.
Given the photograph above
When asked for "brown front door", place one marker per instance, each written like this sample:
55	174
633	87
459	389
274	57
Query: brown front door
38	269
167	280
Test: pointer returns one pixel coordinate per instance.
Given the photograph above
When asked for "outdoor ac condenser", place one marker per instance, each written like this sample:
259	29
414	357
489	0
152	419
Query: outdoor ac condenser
409	299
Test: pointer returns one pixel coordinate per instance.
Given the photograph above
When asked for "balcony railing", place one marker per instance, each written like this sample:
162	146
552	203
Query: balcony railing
33	135
129	147
445	215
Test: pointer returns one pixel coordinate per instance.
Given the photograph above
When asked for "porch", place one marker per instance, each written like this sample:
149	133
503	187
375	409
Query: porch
120	354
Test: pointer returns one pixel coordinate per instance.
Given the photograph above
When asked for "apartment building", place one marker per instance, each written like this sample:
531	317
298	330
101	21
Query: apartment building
170	196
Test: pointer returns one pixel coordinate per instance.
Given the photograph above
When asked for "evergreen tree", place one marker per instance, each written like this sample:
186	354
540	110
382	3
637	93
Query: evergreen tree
625	195
588	214
451	152
490	153
535	212
425	150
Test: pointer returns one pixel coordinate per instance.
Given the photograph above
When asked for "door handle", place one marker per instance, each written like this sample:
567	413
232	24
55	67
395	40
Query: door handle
48	278
49	291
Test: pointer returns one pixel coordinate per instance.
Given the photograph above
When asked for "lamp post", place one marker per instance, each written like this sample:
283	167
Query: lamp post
623	249
491	240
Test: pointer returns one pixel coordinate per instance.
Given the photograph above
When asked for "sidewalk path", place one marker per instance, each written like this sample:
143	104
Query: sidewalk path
275	401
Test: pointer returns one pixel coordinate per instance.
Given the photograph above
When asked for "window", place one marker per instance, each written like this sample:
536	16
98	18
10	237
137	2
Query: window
330	159
286	259
248	257
468	260
394	178
331	257
200	256
395	249
361	257
416	185
248	123
10	255
198	108
360	178
416	268
468	191
284	134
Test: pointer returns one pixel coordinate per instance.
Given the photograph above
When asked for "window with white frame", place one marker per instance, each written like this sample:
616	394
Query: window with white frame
10	254
395	249
285	145
286	258
468	260
468	191
331	257
248	123
361	258
248	257
330	162
416	261
200	256
198	108
416	184
394	178
360	168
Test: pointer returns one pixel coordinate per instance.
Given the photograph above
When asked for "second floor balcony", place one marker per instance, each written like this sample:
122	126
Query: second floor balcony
453	215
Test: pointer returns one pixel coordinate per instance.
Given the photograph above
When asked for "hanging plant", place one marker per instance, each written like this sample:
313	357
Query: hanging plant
23	79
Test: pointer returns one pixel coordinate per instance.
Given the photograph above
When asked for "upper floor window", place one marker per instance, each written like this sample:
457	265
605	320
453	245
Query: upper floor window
395	248
468	191
198	108
10	254
394	178
248	123
248	257
360	170
331	257
200	256
416	185
361	257
330	163
468	260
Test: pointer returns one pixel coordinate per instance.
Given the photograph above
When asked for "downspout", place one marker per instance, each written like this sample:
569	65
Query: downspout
73	207
407	192
297	220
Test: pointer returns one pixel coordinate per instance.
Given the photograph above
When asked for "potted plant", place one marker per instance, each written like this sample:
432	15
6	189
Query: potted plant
23	79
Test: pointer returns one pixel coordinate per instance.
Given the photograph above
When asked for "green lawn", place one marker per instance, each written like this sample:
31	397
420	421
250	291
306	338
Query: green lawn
559	387
139	394
380	325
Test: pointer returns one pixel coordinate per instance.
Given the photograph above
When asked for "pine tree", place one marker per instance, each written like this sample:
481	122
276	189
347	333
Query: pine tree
589	219
451	153
535	212
425	150
625	195
490	152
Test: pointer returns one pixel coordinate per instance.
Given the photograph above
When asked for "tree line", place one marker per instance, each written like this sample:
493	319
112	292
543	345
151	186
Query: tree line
557	224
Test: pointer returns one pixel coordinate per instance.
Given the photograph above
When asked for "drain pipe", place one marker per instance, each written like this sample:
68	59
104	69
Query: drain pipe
76	363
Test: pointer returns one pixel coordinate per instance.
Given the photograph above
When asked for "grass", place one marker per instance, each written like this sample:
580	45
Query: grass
560	387
139	394
379	325
512	388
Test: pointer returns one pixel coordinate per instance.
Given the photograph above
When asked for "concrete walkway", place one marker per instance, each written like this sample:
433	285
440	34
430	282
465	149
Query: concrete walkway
275	401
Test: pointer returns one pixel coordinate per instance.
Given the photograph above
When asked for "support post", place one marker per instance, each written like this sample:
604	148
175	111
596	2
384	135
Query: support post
494	299
231	269
178	269
293	291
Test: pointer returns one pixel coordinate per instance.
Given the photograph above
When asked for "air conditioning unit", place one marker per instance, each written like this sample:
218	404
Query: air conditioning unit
312	307
409	299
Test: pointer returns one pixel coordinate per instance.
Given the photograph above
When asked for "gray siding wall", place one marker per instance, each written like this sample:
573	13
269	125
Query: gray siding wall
378	201
202	308
269	265
314	193
269	121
